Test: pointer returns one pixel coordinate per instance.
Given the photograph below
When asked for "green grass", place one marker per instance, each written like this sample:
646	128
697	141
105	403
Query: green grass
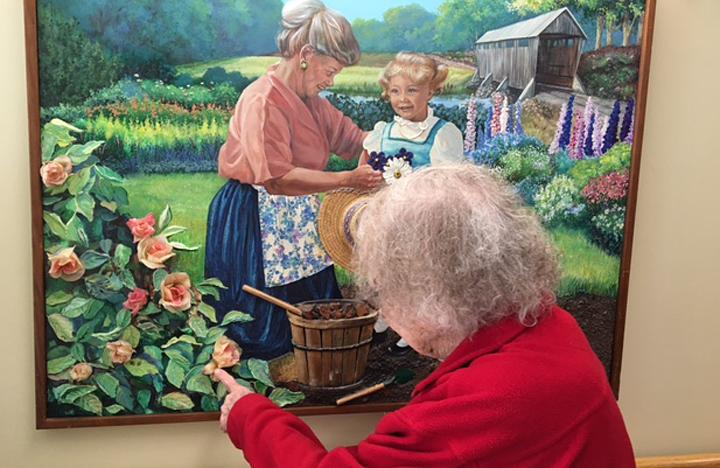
189	197
361	79
586	268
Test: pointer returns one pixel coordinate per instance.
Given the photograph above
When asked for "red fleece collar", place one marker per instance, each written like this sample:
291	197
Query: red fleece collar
484	341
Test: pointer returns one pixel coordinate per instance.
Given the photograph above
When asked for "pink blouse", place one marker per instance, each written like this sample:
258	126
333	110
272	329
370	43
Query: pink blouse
273	131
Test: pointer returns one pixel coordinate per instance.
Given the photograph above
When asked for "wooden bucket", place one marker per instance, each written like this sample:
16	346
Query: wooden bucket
331	353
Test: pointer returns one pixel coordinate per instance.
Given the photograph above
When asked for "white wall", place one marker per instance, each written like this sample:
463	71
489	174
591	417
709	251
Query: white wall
671	368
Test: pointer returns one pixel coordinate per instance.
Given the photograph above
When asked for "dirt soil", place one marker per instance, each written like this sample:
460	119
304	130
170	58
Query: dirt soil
595	314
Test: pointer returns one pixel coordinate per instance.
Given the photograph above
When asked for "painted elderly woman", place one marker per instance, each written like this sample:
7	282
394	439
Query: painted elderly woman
465	274
261	225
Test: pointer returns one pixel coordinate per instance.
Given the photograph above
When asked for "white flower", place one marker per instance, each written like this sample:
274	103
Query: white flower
395	169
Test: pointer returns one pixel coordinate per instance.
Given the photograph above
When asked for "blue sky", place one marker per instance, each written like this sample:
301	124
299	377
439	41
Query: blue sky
368	9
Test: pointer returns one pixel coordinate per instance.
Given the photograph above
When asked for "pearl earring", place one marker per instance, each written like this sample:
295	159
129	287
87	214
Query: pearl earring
303	65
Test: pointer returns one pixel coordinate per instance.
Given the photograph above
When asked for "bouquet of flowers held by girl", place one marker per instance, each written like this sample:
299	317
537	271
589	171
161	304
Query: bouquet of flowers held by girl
393	167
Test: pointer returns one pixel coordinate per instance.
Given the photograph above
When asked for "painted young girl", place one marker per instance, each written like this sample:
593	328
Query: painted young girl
409	81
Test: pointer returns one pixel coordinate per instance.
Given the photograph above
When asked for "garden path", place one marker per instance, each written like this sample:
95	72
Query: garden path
557	98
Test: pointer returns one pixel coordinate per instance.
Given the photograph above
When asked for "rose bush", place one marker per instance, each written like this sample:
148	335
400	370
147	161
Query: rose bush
125	333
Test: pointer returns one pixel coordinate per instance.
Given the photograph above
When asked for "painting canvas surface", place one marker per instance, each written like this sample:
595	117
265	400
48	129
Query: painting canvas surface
135	102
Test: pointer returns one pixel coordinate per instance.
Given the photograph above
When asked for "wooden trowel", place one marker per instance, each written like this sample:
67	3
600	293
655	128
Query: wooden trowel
401	376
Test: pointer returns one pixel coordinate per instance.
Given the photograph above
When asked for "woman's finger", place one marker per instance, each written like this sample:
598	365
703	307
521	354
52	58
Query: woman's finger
227	380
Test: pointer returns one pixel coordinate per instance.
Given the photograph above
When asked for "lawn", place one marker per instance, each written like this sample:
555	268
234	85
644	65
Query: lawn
361	79
586	268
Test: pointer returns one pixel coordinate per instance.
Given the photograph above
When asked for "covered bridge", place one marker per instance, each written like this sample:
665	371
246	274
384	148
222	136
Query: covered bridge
544	50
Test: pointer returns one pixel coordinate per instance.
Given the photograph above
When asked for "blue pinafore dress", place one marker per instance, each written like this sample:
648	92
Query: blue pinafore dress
421	150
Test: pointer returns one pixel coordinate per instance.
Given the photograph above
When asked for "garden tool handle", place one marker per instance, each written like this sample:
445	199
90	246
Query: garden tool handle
272	299
360	393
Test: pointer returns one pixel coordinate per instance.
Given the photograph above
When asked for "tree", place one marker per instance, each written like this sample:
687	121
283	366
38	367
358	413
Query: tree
71	64
372	35
410	27
461	22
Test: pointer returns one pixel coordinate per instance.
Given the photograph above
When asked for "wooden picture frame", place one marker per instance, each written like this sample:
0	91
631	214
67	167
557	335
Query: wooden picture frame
45	420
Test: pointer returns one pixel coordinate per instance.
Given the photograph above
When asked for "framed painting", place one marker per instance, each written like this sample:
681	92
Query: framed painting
145	234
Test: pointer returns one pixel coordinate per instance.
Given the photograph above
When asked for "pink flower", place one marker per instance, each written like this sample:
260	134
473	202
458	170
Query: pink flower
136	300
66	265
226	352
80	372
55	173
120	351
153	252
142	228
175	292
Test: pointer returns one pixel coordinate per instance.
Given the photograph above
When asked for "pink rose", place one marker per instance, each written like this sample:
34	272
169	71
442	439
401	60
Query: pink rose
175	292
142	228
136	301
120	351
65	264
226	352
55	173
80	372
154	251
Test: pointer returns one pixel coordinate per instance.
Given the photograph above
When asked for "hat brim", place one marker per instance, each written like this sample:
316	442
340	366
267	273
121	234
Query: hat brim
331	221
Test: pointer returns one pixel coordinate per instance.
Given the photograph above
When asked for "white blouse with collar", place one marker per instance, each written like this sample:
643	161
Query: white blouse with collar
448	146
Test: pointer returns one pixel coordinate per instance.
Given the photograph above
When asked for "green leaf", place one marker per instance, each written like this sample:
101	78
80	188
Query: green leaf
78	351
143	397
210	403
108	174
213	334
158	277
208	311
198	326
132	336
68	393
108	335
128	280
236	316
78	154
64	127
180	339
76	231
179	358
122	255
154	352
177	401
140	367
106	245
283	397
181	246
165	218
175	373
209	291
123	318
77	182
55	224
244	383
77	307
57	365
125	398
108	384
62	326
172	230
90	403
200	384
205	355
58	298
260	371
150	309
114	409
93	259
212	282
83	204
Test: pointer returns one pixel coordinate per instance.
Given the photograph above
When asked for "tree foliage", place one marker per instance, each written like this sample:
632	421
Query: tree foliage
461	22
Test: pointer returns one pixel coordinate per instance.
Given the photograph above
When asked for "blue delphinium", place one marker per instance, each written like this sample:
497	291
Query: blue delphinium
567	124
588	146
612	130
627	120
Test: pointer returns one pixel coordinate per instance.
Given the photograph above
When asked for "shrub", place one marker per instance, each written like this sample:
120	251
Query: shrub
217	75
607	189
617	159
610	72
71	65
528	190
183	80
608	228
526	163
563	162
559	202
338	164
123	91
72	114
489	153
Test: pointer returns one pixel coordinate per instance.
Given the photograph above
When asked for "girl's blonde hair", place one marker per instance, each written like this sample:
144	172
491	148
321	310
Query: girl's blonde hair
327	31
418	68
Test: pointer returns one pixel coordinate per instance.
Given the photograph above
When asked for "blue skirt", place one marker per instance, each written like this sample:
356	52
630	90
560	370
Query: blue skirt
233	254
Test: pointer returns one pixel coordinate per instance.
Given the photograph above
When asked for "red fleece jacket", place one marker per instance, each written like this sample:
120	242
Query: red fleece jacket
509	396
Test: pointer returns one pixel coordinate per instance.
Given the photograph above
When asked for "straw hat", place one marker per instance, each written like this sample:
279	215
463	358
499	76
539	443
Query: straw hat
338	221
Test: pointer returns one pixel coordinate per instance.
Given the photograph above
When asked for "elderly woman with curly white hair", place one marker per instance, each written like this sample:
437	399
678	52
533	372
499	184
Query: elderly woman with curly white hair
465	274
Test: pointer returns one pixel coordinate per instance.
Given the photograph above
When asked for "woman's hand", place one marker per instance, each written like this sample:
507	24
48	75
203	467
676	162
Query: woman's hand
235	392
364	177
